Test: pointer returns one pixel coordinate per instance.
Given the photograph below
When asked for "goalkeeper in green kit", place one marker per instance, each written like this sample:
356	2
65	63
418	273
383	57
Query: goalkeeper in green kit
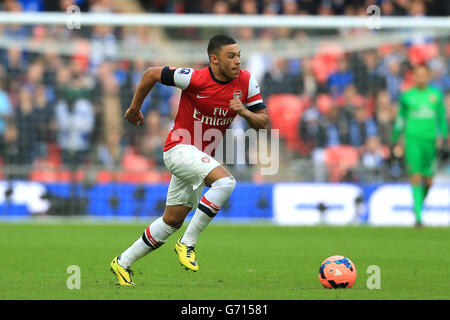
421	118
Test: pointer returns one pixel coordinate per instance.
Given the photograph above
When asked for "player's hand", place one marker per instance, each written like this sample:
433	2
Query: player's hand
439	143
398	150
237	106
134	116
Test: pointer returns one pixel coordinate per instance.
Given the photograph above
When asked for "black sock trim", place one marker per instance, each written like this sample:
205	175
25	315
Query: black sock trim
148	243
206	210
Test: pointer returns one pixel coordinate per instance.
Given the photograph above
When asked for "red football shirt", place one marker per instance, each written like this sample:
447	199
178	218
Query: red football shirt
203	113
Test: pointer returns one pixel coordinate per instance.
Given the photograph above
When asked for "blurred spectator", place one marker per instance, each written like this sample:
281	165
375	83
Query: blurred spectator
32	5
44	122
45	90
279	80
330	128
53	63
309	7
325	8
10	150
355	126
309	82
384	117
338	6
12	5
111	121
393	77
271	8
34	75
339	80
439	75
417	8
367	79
151	145
62	5
103	45
26	126
102	6
373	158
387	7
75	121
5	110
310	132
348	102
249	7
400	7
362	127
290	7
221	7
15	64
327	135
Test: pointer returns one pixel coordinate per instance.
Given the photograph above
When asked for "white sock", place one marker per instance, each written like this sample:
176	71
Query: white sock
154	236
207	208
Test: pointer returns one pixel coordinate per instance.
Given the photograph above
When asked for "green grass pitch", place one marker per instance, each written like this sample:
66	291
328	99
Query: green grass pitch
236	262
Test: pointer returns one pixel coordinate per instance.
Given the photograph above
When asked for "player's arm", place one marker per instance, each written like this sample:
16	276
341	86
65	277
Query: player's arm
149	78
442	122
255	110
169	76
399	124
257	119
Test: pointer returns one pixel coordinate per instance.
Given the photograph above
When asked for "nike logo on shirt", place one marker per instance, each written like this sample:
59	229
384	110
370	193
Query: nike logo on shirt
202	97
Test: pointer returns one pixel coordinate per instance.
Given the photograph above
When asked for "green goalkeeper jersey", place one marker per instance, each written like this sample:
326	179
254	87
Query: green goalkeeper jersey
421	114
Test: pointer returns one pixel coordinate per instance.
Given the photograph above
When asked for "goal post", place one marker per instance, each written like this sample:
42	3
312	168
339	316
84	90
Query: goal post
224	21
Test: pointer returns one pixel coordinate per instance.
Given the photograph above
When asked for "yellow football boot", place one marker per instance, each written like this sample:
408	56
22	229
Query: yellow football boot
123	274
186	255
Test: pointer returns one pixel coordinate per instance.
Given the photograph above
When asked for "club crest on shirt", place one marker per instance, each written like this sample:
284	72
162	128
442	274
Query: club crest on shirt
206	159
433	98
237	94
184	71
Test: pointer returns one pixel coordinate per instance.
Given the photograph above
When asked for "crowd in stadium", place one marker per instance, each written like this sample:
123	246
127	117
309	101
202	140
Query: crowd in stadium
69	109
269	7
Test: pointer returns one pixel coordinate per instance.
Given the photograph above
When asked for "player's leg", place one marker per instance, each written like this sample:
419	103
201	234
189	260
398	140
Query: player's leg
414	164
418	196
221	184
178	205
427	183
429	154
429	164
155	235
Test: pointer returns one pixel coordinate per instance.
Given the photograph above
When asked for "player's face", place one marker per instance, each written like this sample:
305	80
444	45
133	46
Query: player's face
421	77
229	61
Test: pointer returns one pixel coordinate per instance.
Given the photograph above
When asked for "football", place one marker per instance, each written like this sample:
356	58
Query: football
337	272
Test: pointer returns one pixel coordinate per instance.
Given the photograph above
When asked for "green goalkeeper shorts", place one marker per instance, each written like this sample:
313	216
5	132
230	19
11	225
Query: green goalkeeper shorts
420	156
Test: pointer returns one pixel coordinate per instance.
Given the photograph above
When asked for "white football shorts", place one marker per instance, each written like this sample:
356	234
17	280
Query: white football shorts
189	167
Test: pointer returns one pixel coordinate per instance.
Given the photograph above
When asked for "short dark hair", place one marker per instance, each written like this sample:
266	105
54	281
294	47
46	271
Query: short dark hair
217	42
